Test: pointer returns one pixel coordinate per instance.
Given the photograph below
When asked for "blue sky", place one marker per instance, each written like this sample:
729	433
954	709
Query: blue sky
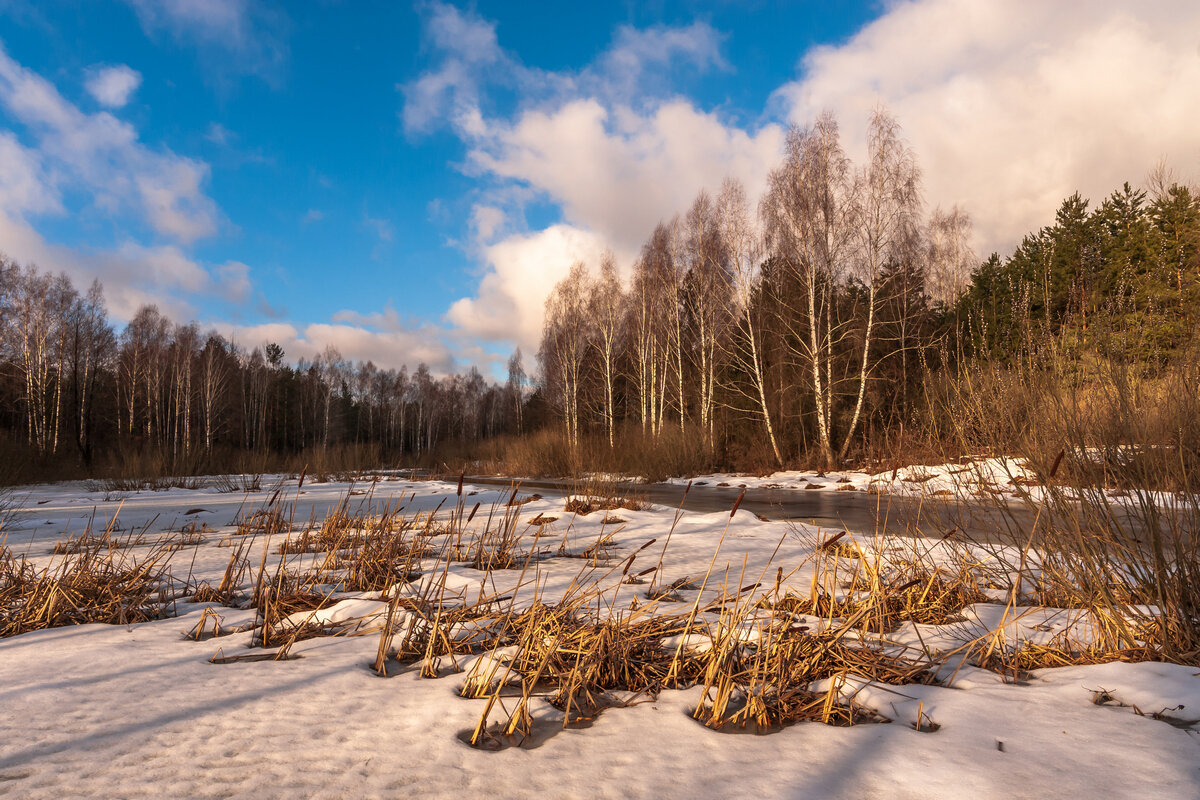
405	182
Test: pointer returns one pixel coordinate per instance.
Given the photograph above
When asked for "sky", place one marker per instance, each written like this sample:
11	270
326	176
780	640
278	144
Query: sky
406	183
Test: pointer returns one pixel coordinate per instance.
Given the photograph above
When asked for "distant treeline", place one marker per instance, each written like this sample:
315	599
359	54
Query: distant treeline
76	397
806	328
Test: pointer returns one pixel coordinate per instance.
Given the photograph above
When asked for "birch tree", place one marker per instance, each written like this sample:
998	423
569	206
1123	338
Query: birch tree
606	307
91	351
707	297
809	211
214	370
887	216
949	255
651	325
564	344
743	242
516	388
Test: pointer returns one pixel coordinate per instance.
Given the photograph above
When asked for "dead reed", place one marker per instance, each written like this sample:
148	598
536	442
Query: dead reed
93	583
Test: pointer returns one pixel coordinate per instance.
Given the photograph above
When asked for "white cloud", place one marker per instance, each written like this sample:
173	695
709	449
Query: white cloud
614	173
132	275
637	67
102	155
468	46
521	271
232	34
1012	105
165	267
386	348
99	156
219	135
24	187
618	172
112	86
608	144
638	56
487	220
204	17
232	281
164	195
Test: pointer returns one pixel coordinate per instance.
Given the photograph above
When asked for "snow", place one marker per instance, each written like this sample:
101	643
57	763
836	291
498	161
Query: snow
139	710
1004	478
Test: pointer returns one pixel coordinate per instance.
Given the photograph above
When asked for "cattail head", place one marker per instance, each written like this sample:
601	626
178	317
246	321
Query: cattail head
1057	461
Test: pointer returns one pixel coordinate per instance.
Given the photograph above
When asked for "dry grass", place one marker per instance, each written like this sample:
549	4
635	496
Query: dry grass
91	584
237	483
1116	453
595	494
764	653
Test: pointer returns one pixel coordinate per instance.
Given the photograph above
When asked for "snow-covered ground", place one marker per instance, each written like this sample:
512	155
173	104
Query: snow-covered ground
1002	478
999	475
139	710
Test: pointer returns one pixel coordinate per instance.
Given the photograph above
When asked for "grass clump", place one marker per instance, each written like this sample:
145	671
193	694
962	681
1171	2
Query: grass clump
90	585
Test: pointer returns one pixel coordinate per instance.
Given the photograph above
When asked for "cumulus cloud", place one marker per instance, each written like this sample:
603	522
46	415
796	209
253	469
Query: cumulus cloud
467	46
232	281
100	159
112	86
616	171
609	144
639	55
487	220
1014	104
521	269
132	276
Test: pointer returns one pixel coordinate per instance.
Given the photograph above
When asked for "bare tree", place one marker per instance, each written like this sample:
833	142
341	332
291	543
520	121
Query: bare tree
950	258
653	313
606	307
708	295
516	388
565	342
30	339
743	241
331	371
92	346
213	379
888	210
809	210
183	352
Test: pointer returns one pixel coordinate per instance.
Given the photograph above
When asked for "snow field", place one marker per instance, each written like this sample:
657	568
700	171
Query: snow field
139	710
